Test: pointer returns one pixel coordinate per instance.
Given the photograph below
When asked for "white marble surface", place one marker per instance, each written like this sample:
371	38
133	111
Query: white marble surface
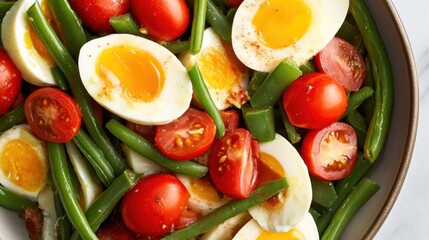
409	218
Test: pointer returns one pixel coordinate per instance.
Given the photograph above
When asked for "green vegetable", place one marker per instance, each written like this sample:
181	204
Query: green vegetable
358	122
314	213
203	95
357	98
198	25
145	148
218	21
59	78
13	201
292	135
125	24
256	81
259	122
4	8
177	46
12	118
229	210
64	226
351	34
308	67
324	193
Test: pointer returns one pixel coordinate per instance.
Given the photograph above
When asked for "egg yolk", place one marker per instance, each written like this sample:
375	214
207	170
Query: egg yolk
292	234
21	164
138	73
281	23
204	189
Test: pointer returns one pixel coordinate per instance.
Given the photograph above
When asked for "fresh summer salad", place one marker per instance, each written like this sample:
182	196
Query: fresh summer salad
198	119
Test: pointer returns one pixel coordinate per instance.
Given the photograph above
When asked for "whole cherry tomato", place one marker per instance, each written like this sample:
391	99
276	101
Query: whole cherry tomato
10	82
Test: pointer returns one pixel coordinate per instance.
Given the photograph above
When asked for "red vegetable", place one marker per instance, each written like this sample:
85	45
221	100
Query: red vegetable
10	82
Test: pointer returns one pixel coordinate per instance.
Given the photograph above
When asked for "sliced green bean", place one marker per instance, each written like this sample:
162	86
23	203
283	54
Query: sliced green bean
369	105
13	201
324	193
125	24
145	148
308	67
203	95
64	226
218	21
69	67
177	46
4	8
357	198
357	98
269	93
314	213
256	81
358	122
259	122
383	78
198	25
229	210
12	118
292	135
62	182
59	78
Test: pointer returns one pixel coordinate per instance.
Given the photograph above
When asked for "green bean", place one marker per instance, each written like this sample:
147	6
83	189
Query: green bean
203	95
259	122
145	148
177	46
125	24
13	201
95	156
351	34
357	98
256	81
231	14
60	78
269	93
12	118
218	21
62	182
64	226
314	213
229	210
369	105
69	25
359	196
292	135
324	193
383	78
198	25
66	63
358	122
308	67
4	8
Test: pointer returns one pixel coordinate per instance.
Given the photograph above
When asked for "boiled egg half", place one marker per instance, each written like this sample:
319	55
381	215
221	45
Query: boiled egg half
266	32
135	78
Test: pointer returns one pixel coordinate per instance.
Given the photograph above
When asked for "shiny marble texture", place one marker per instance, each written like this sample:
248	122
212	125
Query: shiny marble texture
409	217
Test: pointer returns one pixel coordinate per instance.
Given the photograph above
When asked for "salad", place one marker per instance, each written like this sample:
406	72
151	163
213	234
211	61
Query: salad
204	119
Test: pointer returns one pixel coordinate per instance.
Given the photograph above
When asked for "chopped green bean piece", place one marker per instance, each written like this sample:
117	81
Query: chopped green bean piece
357	98
358	122
308	67
259	122
59	78
198	25
13	201
256	81
324	193
125	24
292	135
12	118
218	21
177	46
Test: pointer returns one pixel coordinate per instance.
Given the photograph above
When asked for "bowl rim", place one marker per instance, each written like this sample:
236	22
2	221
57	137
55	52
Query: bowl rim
412	126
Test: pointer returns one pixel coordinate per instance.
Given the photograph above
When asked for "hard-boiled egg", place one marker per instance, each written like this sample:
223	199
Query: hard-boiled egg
24	46
23	161
225	76
140	164
280	159
47	205
135	78
228	229
304	230
266	32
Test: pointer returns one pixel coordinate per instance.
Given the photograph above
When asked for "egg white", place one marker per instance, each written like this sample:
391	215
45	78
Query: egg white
227	229
46	203
140	164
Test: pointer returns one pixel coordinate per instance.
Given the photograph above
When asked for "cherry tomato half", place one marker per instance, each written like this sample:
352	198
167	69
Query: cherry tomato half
114	228
95	14
52	115
154	205
231	118
343	62
10	82
314	101
164	20
233	3
233	163
145	131
187	137
330	153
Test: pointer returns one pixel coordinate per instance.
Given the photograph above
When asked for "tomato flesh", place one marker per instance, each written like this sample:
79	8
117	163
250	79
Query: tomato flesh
330	153
154	205
230	118
233	163
314	101
187	137
114	228
343	62
10	82
52	115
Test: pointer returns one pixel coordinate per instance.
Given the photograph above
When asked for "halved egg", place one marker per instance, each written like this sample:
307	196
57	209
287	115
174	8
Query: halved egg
140	164
23	161
280	159
266	32
225	76
304	230
24	46
135	78
228	229
46	202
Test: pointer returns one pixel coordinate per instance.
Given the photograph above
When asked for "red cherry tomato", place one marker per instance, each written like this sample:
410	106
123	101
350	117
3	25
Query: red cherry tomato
145	131
187	137
330	153
165	20
233	163
114	228
154	205
10	82
95	14
231	118
343	62
52	115
233	3
187	218
314	100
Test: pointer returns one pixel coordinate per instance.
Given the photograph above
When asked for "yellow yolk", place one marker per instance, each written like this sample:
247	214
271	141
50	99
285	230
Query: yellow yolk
204	189
292	234
281	23
139	73
22	165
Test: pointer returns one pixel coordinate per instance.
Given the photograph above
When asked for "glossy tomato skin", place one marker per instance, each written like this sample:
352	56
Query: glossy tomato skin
330	153
343	62
95	14
165	20
10	82
233	3
187	137
52	115
230	118
154	205
145	131
114	228
314	101
233	163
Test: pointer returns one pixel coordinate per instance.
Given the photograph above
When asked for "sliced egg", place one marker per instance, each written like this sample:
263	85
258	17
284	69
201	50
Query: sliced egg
304	230
227	229
24	46
23	161
47	205
140	164
135	78
280	159
204	198
225	76
266	32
